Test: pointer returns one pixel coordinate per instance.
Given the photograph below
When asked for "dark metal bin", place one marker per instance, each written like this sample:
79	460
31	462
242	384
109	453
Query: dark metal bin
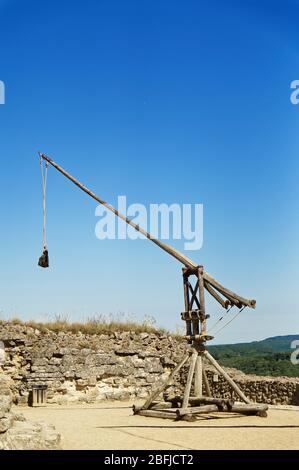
38	395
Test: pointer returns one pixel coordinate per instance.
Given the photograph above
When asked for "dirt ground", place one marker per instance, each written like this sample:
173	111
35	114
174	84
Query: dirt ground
112	426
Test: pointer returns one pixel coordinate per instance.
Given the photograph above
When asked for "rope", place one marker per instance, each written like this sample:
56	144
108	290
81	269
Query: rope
44	173
220	319
235	316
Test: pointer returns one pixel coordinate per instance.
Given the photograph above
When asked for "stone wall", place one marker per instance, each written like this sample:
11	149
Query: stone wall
16	433
270	390
79	367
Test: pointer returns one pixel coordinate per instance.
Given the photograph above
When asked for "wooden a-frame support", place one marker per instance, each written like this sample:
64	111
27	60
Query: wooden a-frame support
187	407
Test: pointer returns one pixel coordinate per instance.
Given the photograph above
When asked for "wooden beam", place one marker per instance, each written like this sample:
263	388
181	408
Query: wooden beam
203	320
233	385
198	377
196	401
187	302
188	263
193	298
194	294
165	383
189	379
169	249
156	414
227	292
196	410
206	381
224	303
158	405
253	409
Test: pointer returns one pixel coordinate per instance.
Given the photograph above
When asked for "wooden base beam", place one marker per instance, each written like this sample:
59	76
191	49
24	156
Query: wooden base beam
156	414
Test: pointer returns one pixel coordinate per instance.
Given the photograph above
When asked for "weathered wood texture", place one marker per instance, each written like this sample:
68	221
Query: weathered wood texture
189	379
233	385
224	303
205	381
156	414
254	409
198	377
196	410
164	384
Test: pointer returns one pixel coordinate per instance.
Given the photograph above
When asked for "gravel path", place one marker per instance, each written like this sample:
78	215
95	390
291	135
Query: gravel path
111	425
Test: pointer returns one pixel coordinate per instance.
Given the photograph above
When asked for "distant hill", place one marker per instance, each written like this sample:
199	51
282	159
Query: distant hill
271	356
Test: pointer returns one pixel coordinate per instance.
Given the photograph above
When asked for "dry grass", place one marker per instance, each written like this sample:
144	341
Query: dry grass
95	325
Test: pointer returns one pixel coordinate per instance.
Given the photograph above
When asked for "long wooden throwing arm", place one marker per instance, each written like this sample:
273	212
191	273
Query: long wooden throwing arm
169	249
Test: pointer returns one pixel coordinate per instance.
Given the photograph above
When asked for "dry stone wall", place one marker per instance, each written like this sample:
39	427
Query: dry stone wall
16	433
121	365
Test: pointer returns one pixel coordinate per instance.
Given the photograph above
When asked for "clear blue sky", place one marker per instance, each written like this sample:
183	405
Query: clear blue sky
161	101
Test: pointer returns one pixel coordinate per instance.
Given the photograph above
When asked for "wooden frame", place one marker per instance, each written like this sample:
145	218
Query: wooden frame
195	318
189	407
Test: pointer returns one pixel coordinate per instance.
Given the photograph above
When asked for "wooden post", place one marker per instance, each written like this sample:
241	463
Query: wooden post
233	385
187	302
198	377
189	379
205	381
202	300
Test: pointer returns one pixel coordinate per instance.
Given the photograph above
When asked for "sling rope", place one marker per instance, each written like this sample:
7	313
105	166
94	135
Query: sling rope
227	323
220	319
44	173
